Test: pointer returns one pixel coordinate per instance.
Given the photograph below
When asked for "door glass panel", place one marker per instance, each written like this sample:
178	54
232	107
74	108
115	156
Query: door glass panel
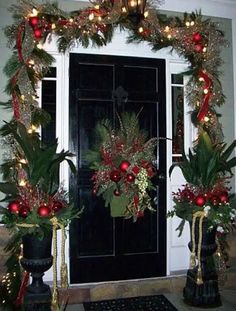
51	73
103	81
145	79
48	90
177	79
177	89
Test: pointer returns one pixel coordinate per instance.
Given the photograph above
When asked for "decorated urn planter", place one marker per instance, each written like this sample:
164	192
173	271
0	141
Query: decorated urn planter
37	206
206	203
201	287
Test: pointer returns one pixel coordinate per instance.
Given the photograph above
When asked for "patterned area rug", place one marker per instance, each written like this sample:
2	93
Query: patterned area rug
147	303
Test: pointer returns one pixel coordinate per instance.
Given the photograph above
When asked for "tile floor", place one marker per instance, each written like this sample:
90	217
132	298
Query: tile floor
228	298
171	287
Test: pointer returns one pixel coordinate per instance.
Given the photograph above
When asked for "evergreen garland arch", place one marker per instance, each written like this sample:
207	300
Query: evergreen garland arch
196	39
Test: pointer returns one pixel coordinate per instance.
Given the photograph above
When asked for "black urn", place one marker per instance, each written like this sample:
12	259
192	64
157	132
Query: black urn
205	294
37	259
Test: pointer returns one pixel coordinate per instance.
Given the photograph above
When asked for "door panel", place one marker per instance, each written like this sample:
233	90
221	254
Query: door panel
104	248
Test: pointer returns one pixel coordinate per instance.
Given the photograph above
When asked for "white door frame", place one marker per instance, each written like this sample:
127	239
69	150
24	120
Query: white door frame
119	47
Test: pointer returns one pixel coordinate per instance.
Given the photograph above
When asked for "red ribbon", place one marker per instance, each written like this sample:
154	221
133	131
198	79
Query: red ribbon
205	104
16	106
21	293
20	31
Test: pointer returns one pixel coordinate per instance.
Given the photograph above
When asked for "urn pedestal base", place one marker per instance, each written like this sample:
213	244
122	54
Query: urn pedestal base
205	295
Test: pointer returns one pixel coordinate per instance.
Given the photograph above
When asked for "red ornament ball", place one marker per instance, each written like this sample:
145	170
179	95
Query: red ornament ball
146	32
57	206
44	210
124	165
140	214
33	21
94	191
24	211
198	48
197	37
200	200
208	195
116	192
224	197
14	207
115	175
150	171
130	177
215	200
38	33
135	170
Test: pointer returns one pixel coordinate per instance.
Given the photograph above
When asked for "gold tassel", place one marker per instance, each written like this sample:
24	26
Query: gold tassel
64	270
192	260
199	275
64	276
193	256
201	216
54	303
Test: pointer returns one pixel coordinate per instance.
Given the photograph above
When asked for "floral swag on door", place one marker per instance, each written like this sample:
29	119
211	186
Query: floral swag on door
124	166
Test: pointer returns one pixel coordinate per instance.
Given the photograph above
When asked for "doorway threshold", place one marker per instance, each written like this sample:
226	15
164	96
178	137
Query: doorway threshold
78	293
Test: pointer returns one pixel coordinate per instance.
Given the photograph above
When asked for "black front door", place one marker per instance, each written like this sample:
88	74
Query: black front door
104	248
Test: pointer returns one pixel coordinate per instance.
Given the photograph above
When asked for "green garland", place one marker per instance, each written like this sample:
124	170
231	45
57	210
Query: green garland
196	39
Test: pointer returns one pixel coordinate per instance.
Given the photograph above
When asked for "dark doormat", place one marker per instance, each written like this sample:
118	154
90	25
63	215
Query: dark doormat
146	303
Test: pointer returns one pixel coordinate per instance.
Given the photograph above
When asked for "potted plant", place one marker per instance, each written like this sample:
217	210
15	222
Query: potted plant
205	201
123	160
36	203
